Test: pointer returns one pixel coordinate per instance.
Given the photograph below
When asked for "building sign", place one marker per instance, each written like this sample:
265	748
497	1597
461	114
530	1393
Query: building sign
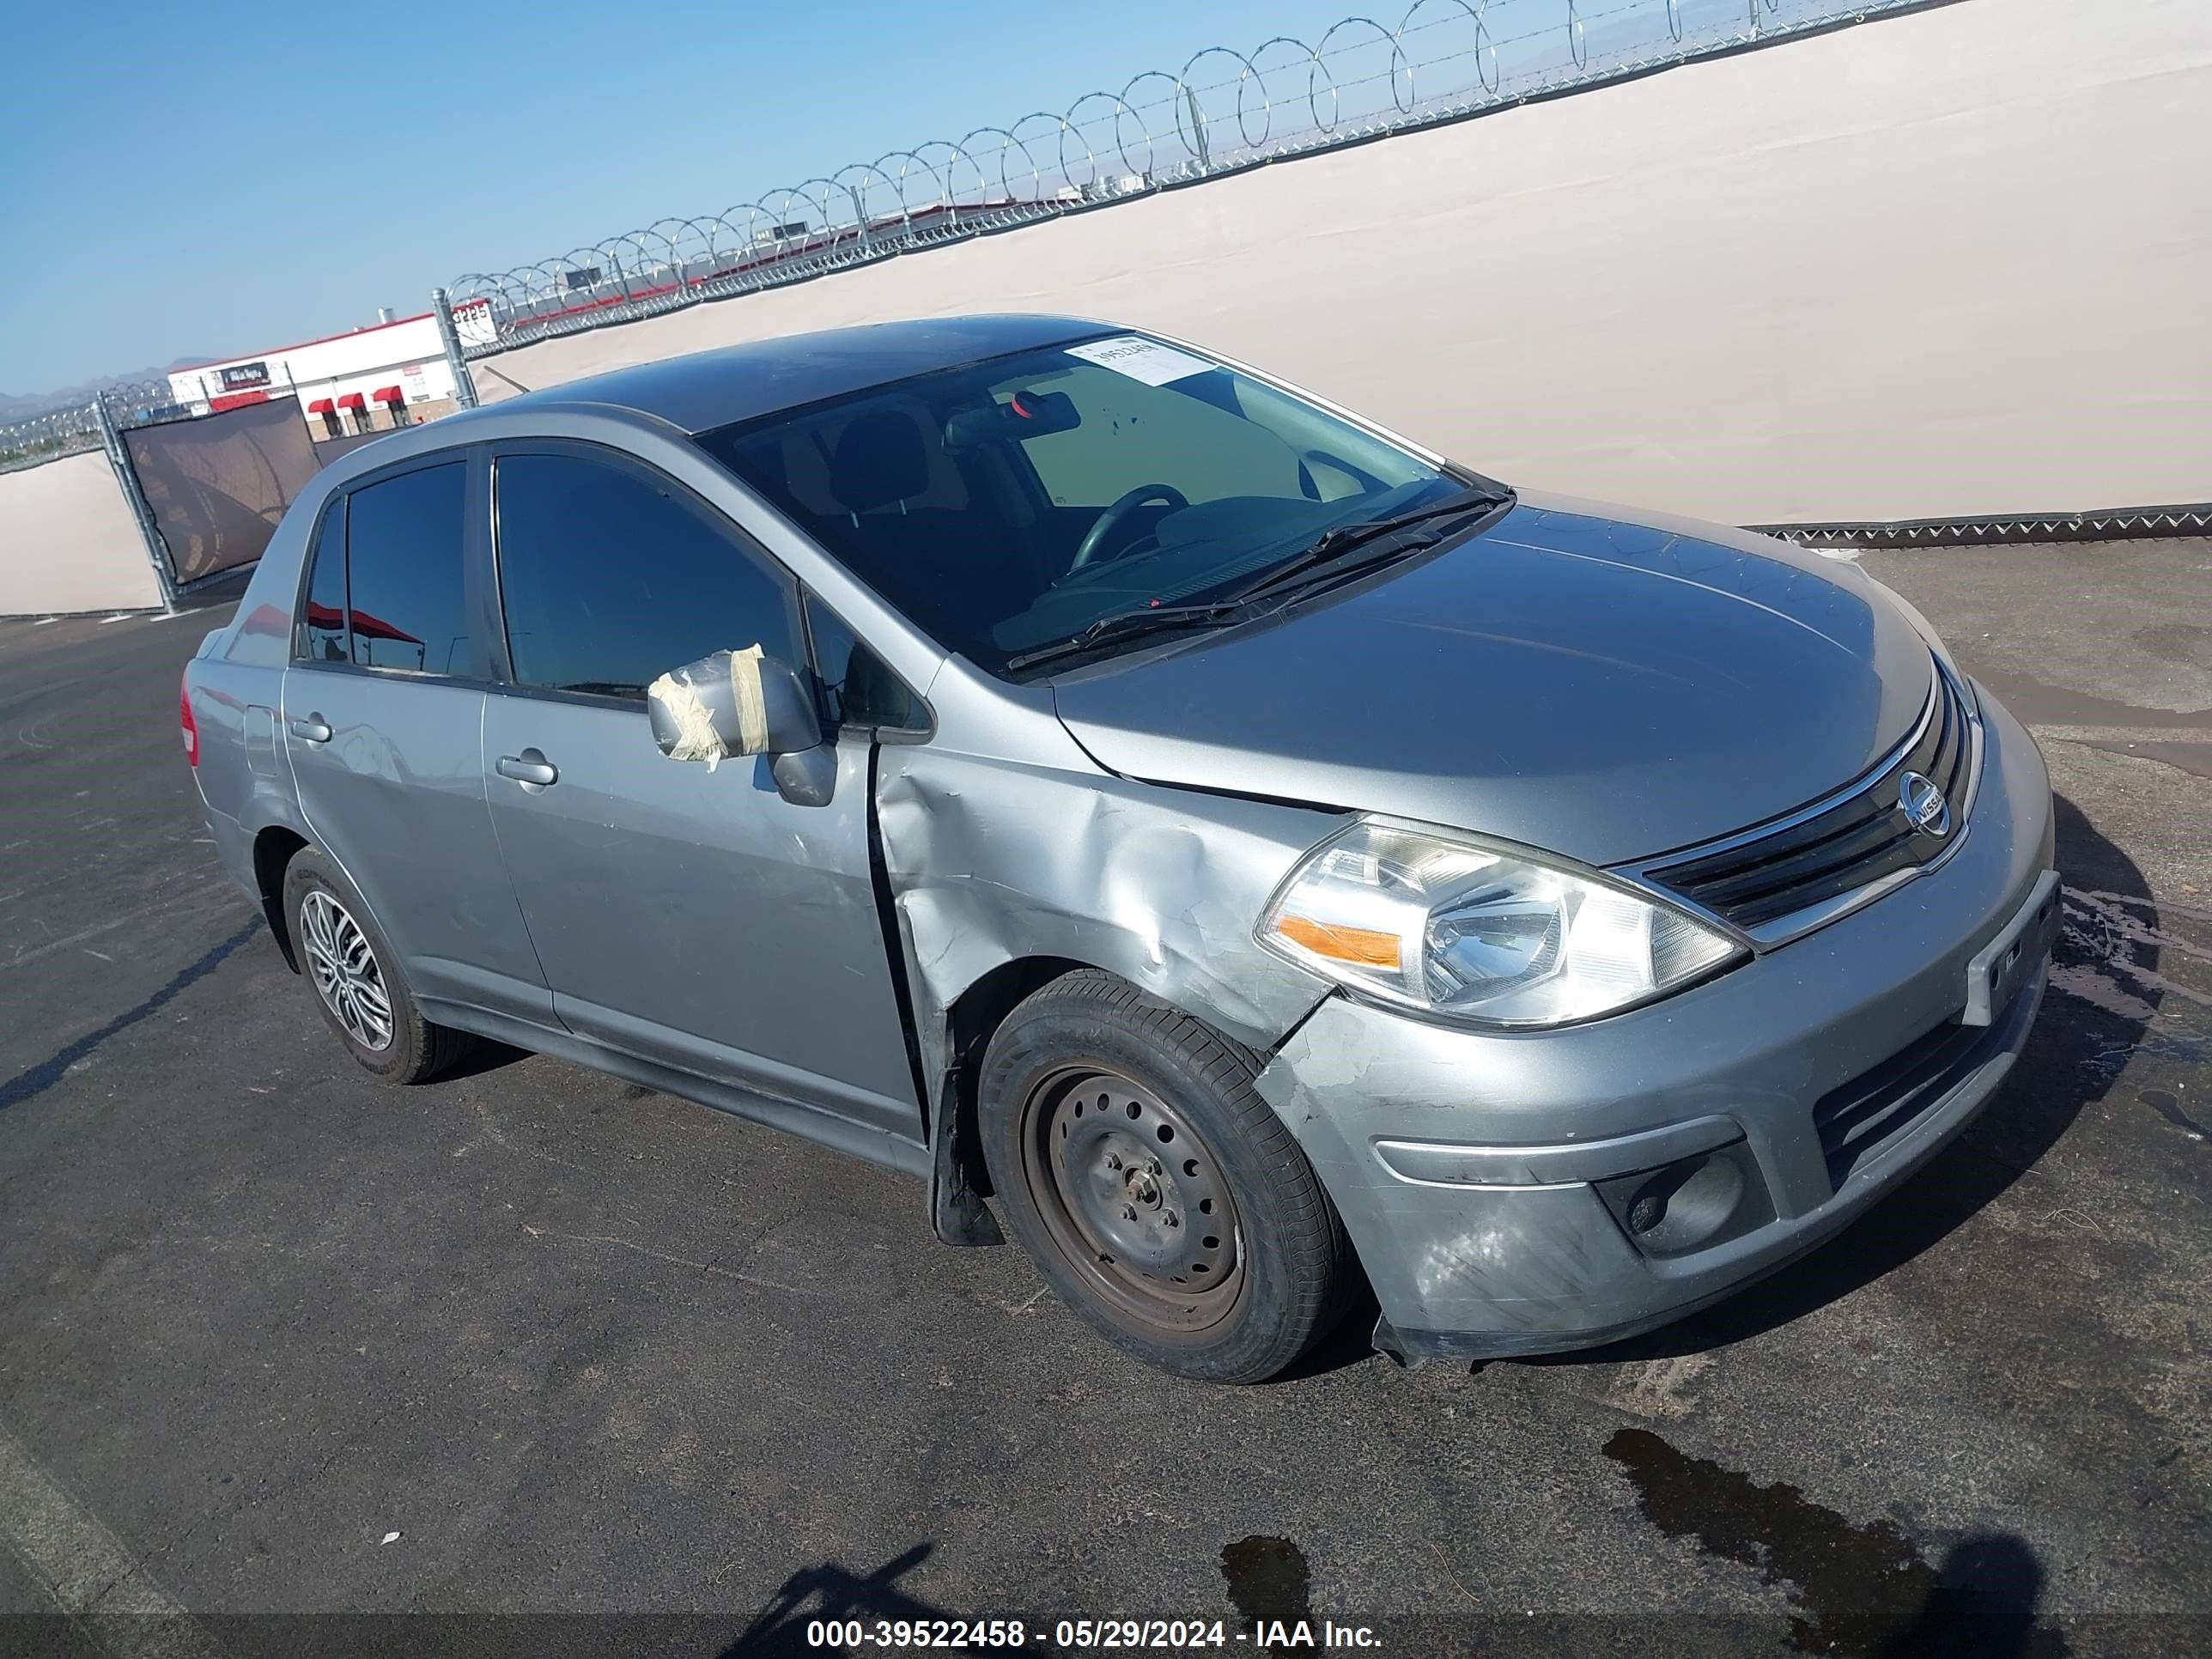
240	376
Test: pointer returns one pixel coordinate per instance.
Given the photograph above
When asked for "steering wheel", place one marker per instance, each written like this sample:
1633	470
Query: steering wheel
1095	536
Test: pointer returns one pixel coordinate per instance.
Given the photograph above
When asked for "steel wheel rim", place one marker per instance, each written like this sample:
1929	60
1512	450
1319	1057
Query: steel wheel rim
1146	1218
345	970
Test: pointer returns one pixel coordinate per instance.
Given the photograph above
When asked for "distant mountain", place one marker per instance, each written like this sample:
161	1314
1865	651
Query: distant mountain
29	406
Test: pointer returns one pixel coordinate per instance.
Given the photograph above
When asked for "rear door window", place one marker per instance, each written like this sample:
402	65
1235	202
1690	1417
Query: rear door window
406	573
610	577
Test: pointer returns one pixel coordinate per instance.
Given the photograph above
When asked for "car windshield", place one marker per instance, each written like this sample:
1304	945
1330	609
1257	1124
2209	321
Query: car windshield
1013	503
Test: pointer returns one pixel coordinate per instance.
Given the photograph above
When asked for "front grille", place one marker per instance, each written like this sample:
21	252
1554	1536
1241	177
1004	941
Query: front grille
1857	1119
1844	846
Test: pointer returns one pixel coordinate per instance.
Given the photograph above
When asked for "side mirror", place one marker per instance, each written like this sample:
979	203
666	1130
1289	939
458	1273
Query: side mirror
731	704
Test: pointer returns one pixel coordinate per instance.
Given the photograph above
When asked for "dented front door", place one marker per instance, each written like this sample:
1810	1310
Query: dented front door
696	918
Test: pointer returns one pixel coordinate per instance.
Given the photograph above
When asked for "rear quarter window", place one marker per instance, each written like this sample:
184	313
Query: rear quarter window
321	636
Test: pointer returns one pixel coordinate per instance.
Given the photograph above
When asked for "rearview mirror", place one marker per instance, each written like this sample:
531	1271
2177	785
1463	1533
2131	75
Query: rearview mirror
1026	415
731	704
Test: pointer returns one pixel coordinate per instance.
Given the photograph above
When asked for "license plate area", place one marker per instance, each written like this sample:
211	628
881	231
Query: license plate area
1999	968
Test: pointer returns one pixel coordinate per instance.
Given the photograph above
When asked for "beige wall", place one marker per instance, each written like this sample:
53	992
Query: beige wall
68	541
1951	263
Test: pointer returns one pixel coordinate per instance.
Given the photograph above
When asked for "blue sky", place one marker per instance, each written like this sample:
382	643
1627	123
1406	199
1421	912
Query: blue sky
220	177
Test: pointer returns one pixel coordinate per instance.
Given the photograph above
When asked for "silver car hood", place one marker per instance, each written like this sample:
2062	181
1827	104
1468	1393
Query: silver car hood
1602	684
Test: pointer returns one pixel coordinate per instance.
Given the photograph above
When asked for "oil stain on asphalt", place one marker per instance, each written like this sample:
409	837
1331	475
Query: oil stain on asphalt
1858	1590
1268	1581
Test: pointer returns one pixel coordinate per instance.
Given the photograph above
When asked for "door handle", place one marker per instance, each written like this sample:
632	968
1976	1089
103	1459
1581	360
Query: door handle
528	767
313	729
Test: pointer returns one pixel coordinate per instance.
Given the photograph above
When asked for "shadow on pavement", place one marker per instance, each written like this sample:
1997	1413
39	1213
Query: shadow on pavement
1991	1585
828	1592
486	1055
35	1080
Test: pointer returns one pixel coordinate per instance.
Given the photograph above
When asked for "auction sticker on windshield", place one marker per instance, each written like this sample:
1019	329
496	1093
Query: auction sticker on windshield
1141	360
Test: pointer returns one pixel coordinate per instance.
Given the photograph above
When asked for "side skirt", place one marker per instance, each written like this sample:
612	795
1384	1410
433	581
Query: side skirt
810	1123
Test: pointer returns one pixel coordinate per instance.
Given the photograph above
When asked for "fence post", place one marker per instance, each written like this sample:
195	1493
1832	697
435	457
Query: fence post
126	480
465	389
1198	131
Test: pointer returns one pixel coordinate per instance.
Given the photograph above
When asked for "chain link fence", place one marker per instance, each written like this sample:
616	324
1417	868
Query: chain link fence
1223	111
204	489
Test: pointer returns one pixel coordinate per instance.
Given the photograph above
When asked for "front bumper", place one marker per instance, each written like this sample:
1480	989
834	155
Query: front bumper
1490	1181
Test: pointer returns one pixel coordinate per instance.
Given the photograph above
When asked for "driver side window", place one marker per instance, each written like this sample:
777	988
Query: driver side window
1131	434
610	577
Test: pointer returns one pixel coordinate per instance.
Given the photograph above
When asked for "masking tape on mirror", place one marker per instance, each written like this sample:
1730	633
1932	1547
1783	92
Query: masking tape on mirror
696	739
750	703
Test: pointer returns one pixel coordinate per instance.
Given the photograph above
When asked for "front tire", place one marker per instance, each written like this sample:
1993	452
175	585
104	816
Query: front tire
362	999
1158	1193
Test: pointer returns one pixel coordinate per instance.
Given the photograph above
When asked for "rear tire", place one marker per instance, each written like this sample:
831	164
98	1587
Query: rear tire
1160	1196
344	957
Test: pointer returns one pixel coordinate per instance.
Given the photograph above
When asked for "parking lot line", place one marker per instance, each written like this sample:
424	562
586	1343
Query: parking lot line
85	1569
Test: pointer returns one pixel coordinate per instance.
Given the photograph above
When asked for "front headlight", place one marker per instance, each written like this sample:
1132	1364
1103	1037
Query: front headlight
1455	928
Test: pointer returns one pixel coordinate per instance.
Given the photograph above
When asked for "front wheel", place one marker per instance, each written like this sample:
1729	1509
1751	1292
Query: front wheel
1159	1195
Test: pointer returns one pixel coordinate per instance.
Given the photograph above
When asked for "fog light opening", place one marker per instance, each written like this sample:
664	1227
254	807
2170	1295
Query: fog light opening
1690	1205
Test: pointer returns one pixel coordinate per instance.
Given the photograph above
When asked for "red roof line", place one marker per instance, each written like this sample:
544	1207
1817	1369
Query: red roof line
278	351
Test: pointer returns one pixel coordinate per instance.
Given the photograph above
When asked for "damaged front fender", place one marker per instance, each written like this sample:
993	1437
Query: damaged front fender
992	862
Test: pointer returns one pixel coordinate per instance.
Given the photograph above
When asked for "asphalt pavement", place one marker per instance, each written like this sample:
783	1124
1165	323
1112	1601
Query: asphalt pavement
294	1363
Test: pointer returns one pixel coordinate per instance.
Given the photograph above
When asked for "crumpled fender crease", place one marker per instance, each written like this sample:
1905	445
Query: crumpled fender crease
992	861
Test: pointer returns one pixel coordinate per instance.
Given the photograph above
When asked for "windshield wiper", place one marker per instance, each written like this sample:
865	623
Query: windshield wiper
1126	624
1343	539
1233	607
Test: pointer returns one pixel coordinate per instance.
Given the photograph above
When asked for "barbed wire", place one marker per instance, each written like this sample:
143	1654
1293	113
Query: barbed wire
1224	111
59	432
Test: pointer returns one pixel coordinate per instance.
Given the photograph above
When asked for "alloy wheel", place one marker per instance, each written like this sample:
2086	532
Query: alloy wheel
345	970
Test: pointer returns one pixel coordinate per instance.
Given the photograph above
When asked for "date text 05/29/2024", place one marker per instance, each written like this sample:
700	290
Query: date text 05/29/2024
1084	1633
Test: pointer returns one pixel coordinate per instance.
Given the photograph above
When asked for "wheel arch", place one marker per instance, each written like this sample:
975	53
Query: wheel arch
959	1181
969	1022
275	846
976	1014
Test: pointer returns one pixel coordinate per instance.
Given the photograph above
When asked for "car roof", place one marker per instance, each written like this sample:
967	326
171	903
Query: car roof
708	389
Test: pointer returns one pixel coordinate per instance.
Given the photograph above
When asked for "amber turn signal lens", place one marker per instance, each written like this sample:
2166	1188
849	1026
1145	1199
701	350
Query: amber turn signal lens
1363	946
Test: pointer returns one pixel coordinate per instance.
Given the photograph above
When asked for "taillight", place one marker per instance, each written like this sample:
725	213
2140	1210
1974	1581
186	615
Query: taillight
185	719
